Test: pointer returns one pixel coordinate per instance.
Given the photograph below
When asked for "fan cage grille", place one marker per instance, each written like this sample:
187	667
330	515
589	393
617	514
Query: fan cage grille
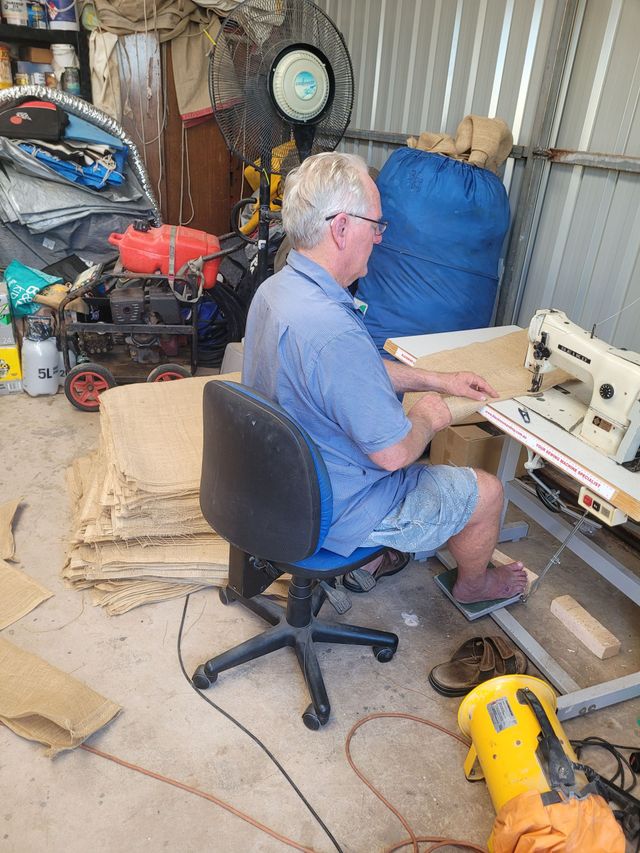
250	39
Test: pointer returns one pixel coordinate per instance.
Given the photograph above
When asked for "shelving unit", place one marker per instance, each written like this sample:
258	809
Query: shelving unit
35	36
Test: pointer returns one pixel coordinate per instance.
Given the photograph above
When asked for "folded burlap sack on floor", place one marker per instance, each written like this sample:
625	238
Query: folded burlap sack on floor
19	594
42	703
7	544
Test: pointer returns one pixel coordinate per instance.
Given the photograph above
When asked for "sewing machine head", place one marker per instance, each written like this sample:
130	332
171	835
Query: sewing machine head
609	418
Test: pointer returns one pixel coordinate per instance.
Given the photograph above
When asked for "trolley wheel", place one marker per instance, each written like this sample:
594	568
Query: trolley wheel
84	383
168	372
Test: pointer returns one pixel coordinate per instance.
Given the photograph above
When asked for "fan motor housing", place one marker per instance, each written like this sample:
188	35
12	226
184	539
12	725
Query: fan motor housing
301	83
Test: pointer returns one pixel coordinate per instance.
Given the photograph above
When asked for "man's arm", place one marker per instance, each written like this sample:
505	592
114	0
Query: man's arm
428	416
460	384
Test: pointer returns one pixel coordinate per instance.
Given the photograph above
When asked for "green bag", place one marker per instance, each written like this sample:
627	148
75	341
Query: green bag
24	283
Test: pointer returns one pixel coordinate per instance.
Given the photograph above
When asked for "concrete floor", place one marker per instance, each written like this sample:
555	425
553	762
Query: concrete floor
79	801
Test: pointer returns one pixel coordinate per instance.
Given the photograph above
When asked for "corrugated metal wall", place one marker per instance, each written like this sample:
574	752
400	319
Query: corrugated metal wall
585	254
425	64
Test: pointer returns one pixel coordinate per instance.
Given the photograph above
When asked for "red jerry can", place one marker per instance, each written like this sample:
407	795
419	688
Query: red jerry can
144	249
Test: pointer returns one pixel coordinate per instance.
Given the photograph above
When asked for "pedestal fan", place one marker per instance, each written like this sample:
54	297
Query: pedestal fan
280	77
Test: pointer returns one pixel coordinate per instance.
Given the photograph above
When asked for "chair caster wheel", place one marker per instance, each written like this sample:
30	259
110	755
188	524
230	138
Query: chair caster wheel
225	596
383	654
311	719
201	680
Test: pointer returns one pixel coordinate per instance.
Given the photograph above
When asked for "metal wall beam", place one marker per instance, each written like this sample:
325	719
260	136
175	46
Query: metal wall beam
512	284
615	162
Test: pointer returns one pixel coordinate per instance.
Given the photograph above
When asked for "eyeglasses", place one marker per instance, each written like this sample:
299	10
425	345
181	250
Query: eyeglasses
380	224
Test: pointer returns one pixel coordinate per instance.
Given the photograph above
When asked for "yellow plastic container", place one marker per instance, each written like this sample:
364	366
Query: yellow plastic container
504	734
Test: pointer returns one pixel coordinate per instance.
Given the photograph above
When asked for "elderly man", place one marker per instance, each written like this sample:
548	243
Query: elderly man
306	348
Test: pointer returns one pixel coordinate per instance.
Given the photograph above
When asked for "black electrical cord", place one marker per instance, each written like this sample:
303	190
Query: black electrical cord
621	761
612	749
250	734
226	325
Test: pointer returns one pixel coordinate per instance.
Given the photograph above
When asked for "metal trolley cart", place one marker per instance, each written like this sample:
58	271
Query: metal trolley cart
143	338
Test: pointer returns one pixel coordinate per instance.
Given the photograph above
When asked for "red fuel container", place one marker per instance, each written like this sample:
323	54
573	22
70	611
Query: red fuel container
146	250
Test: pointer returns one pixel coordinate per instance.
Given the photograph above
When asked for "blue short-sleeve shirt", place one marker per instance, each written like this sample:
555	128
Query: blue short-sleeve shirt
307	348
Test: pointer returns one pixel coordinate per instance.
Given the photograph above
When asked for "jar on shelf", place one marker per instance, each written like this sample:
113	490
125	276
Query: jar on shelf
15	12
6	80
71	81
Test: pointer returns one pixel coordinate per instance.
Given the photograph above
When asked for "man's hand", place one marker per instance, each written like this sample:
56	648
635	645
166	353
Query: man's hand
460	384
464	384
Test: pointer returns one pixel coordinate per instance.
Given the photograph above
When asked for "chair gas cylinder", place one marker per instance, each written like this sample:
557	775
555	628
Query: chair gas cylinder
40	357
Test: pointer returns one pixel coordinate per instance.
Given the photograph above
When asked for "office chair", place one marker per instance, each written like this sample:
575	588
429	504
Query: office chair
265	489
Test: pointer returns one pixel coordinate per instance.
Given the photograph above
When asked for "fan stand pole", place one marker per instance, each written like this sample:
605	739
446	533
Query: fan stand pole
262	270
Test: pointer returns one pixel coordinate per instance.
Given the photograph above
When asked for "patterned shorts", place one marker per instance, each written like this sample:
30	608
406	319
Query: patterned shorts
440	506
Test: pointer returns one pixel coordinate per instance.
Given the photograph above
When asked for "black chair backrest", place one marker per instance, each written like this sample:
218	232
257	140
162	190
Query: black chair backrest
262	479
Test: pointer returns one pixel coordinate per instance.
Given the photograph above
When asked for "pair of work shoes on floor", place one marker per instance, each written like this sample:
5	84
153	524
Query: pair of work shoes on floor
360	580
477	660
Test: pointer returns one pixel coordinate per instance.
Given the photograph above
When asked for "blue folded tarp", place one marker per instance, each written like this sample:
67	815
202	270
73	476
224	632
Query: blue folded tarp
96	175
80	130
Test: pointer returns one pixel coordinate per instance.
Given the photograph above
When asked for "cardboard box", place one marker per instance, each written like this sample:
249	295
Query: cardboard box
10	370
472	445
7	337
37	54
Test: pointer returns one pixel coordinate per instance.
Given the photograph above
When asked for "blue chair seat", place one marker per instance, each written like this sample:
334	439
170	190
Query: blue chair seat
332	563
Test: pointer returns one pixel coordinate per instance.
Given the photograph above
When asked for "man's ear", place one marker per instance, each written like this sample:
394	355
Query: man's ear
339	231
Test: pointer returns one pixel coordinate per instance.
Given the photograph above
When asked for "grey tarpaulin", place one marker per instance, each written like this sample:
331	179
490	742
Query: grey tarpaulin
45	216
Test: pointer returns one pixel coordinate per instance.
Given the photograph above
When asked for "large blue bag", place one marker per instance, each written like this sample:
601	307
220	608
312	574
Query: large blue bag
436	269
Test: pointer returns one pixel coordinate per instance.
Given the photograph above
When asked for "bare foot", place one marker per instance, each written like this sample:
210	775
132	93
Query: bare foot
499	582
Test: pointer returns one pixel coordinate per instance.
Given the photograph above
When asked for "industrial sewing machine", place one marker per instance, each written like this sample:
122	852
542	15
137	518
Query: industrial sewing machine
603	406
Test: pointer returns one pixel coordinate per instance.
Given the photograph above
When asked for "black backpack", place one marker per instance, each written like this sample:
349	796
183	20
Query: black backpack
33	120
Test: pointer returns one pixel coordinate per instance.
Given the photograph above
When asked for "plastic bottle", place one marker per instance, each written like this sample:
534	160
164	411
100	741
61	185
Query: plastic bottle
39	358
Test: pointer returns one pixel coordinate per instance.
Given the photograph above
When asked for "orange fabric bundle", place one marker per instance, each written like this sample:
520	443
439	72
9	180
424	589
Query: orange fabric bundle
526	825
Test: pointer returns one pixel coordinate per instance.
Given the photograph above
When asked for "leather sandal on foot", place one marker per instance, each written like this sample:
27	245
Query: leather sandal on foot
477	660
392	562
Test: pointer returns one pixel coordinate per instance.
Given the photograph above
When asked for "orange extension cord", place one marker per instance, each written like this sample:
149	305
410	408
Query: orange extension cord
413	840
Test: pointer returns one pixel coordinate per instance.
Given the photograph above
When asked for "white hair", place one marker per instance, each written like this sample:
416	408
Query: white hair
322	185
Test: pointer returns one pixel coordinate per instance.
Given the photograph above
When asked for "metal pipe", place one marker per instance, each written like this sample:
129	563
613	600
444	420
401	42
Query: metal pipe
400	139
615	162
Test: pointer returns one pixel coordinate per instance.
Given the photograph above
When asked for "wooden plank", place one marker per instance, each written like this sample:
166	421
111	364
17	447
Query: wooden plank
142	101
200	189
585	627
